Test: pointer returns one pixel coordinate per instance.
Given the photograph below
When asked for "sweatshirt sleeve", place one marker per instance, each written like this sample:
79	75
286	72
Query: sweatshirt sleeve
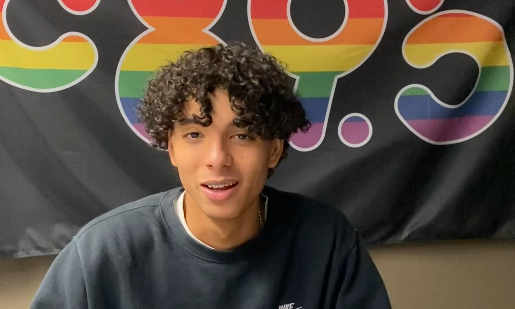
361	284
63	286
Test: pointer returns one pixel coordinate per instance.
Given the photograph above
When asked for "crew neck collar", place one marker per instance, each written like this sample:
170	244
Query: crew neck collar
245	251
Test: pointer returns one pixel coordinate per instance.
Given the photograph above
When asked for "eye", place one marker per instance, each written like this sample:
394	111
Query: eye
244	137
192	135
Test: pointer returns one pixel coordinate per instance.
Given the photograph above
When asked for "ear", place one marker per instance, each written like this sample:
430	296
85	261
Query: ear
276	150
171	152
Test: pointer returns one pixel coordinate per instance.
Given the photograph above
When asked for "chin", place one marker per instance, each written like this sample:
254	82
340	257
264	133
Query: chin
221	212
226	209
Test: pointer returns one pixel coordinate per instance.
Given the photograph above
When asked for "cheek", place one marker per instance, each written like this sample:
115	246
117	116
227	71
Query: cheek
252	163
186	159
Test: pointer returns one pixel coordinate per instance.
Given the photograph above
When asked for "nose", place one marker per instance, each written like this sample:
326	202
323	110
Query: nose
218	154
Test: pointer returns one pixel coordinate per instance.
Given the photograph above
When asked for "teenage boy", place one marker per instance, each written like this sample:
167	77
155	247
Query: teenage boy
223	239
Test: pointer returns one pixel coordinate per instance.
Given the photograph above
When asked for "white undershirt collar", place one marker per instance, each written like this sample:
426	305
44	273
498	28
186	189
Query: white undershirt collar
178	206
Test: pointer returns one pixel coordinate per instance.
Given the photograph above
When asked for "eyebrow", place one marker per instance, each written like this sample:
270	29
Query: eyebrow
191	120
187	121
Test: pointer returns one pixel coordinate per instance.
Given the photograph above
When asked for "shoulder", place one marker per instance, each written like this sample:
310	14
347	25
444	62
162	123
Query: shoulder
314	219
127	216
307	206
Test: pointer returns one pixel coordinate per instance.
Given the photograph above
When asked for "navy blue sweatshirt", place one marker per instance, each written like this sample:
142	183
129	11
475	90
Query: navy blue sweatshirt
140	256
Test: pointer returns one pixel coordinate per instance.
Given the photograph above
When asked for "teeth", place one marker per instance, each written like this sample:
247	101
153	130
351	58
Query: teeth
221	186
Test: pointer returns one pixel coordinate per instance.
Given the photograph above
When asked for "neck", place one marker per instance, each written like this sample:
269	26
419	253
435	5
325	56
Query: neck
223	234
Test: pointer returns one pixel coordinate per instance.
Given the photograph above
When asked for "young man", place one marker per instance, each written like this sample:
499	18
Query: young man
224	239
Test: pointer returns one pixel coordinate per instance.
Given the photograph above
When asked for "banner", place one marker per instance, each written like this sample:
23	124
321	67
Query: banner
410	100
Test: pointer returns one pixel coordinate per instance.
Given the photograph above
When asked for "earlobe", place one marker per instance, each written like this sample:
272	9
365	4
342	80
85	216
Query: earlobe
276	152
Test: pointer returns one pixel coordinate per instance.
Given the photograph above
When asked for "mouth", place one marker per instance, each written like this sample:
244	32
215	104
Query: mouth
219	190
221	186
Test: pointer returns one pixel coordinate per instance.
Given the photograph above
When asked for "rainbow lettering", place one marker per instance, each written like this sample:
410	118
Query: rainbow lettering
355	130
425	7
464	32
60	65
79	7
173	27
317	63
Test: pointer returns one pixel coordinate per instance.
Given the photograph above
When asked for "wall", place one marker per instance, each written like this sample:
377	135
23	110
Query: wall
465	275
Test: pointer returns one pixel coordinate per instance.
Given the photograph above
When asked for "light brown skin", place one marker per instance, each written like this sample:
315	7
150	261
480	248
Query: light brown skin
221	151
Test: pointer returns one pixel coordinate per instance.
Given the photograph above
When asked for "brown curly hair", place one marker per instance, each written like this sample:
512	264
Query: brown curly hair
258	88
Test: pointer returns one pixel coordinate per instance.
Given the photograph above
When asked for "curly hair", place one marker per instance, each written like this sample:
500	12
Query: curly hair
257	84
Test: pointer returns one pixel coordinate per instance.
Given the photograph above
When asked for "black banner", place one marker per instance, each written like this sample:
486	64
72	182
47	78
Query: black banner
411	104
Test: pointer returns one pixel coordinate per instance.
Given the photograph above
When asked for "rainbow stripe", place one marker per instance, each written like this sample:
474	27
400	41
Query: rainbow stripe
354	131
425	6
79	7
54	67
465	32
173	27
317	63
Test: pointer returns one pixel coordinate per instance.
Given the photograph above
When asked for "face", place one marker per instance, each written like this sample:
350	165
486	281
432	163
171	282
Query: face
222	168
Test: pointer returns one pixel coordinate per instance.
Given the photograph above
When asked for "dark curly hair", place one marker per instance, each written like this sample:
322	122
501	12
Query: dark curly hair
258	88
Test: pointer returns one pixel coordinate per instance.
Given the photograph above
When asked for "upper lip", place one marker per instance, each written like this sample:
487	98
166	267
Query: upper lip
219	182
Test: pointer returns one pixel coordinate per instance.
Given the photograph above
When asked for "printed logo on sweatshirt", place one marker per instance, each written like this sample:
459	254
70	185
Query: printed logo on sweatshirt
289	306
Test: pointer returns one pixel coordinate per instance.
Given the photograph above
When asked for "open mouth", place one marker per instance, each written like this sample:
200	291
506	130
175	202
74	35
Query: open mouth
220	190
221	187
